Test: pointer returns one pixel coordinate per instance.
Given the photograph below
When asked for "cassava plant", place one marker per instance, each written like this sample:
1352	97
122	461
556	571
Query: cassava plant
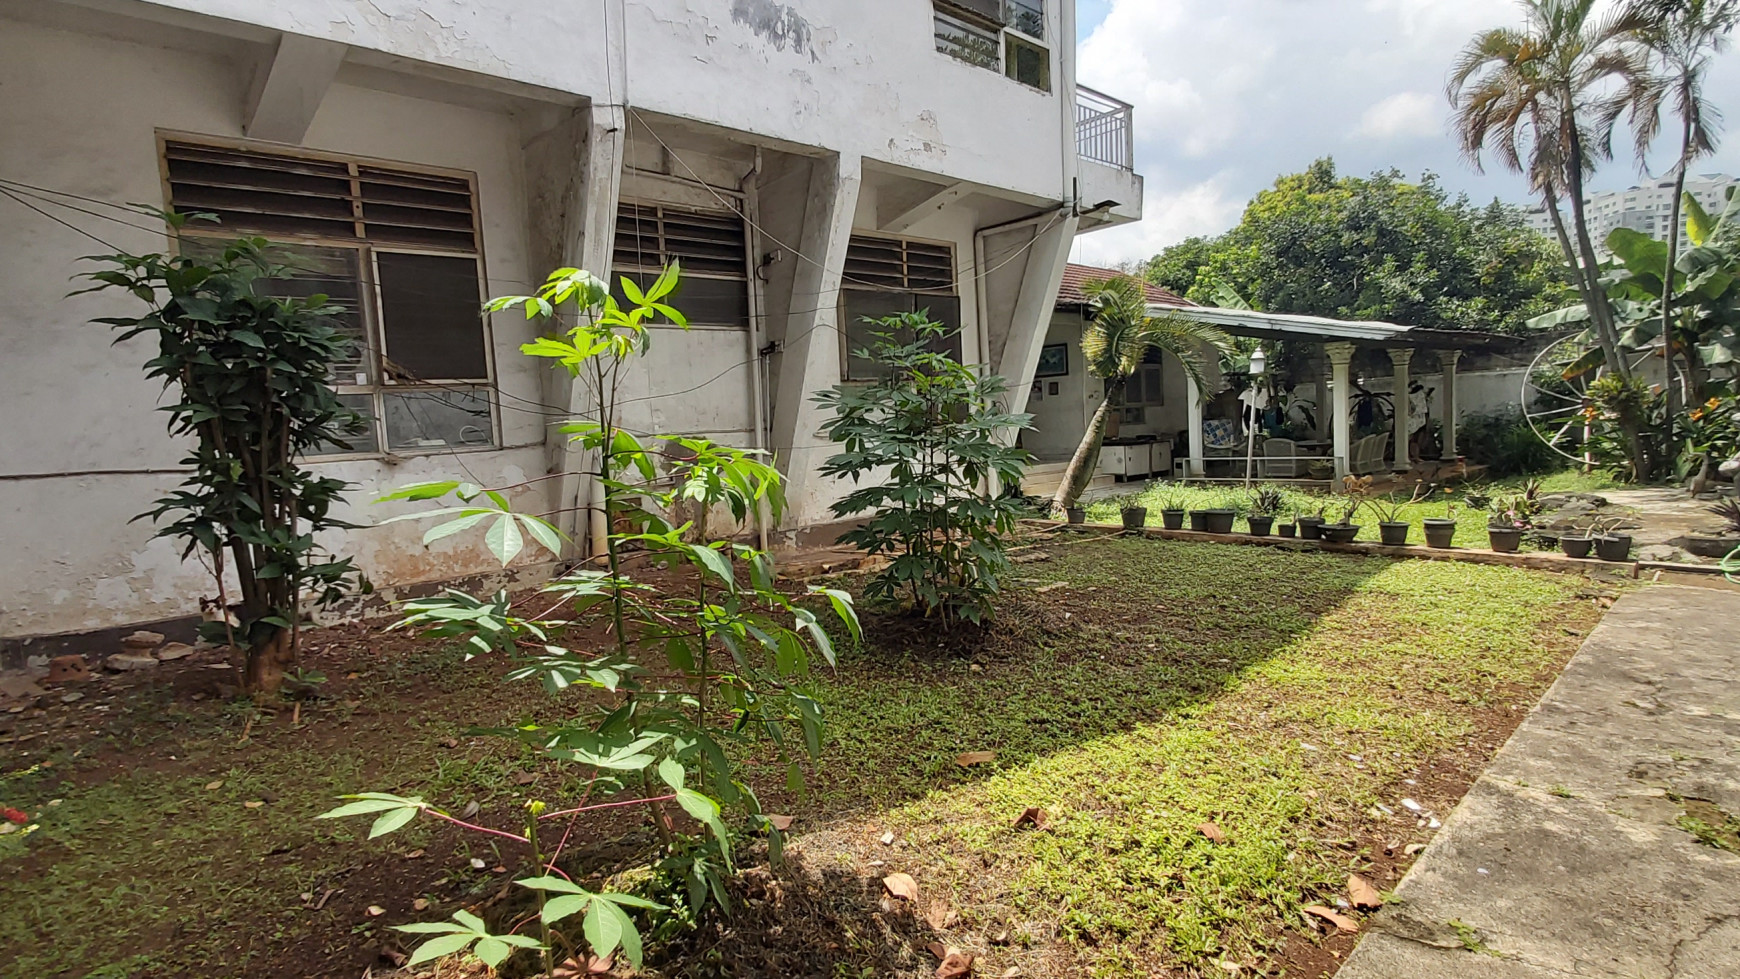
251	378
931	438
651	710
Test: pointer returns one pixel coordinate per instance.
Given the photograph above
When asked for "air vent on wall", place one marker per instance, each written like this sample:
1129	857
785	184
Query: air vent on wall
893	263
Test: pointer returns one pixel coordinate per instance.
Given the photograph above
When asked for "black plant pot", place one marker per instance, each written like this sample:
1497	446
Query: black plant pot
1220	521
1504	540
1261	523
1613	547
1340	533
1199	521
1576	546
1135	517
1440	531
1286	529
1393	532
1172	519
1076	514
1311	528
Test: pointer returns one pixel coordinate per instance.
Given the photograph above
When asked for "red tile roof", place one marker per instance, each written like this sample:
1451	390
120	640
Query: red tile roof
1074	275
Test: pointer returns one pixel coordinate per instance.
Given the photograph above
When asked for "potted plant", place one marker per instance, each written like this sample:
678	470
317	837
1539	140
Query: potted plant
1440	531
1289	528
1265	503
1392	529
1075	514
1577	543
1135	515
1610	545
1344	530
1172	507
1220	518
1505	527
1311	524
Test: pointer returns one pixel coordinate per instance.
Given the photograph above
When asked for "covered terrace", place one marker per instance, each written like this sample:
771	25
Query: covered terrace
1320	365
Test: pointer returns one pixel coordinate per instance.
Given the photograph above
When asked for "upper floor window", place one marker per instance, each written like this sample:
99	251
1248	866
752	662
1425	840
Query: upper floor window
396	249
886	276
1002	35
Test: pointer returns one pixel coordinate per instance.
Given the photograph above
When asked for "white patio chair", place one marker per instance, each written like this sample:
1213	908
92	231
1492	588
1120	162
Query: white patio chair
1368	454
1281	459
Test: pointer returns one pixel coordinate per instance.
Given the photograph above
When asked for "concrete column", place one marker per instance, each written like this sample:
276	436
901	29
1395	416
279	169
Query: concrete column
1034	304
290	86
809	359
1193	408
1449	358
1340	356
1399	359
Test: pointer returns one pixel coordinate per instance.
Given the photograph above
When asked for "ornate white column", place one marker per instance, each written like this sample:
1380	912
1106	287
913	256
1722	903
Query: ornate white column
1193	416
1340	356
1399	358
1449	358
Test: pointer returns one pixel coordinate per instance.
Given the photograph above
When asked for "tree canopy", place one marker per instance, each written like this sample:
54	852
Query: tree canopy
1377	247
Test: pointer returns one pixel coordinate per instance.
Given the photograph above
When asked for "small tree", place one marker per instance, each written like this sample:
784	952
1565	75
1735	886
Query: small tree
252	378
1115	343
931	436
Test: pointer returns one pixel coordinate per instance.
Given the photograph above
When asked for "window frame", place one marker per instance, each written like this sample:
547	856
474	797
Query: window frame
748	279
1008	36
372	314
846	286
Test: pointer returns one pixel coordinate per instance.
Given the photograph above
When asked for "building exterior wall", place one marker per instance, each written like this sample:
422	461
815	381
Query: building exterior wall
1646	209
818	120
1059	420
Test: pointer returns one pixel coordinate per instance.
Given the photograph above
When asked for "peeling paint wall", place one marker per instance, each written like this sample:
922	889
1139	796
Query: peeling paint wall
76	403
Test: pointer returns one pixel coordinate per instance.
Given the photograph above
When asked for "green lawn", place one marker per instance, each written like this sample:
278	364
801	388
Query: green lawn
1470	523
1280	695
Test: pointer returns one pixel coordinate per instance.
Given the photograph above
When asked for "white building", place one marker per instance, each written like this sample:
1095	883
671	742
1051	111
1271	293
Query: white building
1648	209
807	162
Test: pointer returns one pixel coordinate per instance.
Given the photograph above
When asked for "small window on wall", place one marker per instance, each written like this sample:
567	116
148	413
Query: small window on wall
888	276
395	249
711	246
1001	35
1027	63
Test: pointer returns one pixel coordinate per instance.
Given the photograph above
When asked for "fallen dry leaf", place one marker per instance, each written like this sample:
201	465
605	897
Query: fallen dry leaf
1011	972
941	917
1340	921
968	759
470	810
782	823
1413	849
414	854
525	778
938	949
888	838
1363	895
420	904
252	805
1032	816
375	911
901	886
1214	833
955	965
214	786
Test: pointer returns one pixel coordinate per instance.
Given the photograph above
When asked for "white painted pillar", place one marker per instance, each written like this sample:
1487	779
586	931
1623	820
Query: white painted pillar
1399	359
1451	410
810	350
1035	303
1193	409
1340	357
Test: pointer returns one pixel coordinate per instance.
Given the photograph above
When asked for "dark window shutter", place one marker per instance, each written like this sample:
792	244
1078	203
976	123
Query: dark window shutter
431	317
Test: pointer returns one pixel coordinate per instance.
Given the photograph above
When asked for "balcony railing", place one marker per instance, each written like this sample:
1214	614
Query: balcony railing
1104	130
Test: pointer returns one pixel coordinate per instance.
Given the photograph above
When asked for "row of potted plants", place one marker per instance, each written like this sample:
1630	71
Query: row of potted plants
1509	519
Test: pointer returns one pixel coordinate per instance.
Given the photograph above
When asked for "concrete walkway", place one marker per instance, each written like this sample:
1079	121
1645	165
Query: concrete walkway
1565	859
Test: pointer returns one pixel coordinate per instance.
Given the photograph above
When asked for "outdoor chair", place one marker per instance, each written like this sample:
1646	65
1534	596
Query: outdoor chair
1222	439
1282	459
1368	454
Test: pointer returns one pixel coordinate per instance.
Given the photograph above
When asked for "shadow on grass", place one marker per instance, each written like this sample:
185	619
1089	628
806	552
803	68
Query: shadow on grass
1142	630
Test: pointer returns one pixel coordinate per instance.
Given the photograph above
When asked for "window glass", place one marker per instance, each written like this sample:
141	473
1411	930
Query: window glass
369	440
1027	63
969	42
437	418
431	317
1028	17
872	304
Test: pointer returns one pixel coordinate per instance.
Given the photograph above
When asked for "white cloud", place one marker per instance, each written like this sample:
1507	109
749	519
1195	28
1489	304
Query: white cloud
1206	208
1404	115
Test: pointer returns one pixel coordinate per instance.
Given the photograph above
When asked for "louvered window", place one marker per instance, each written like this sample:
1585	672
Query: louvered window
888	276
396	249
712	248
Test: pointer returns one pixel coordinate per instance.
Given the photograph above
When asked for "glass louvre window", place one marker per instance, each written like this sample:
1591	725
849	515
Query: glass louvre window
967	41
711	246
887	276
1027	16
396	250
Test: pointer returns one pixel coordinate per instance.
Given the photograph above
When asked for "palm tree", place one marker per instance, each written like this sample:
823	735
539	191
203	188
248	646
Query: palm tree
1682	37
1543	99
1116	341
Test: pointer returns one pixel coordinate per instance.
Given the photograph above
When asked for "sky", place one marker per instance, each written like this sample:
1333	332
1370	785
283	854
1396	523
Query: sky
1230	94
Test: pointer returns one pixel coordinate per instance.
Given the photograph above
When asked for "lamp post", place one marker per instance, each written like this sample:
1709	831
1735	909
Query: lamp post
1259	361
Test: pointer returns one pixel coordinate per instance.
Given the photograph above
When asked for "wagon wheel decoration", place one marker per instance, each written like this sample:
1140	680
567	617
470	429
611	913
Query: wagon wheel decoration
1555	390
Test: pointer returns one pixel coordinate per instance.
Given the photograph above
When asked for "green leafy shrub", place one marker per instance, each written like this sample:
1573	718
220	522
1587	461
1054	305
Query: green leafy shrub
1505	444
731	651
931	436
251	376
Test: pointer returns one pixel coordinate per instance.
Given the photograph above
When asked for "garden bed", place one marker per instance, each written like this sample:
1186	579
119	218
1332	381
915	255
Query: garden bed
1133	690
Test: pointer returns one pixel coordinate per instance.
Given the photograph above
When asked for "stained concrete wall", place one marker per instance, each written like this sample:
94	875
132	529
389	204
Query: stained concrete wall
76	403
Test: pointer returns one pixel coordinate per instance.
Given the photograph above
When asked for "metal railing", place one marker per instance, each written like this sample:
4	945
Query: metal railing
1104	129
